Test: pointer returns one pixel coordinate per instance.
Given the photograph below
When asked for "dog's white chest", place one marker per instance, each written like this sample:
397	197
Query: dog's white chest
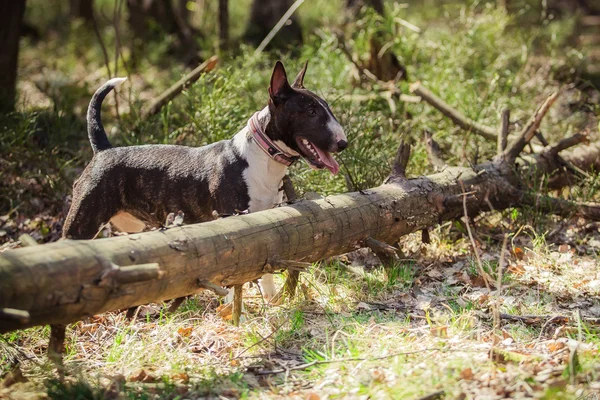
262	176
263	186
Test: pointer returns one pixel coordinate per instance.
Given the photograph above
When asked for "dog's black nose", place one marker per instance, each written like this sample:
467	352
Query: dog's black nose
342	144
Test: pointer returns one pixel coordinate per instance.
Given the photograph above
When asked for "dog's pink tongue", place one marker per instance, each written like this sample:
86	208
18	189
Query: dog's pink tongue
328	160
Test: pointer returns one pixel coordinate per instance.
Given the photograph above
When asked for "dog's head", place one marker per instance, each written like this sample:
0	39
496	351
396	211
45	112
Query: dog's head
303	121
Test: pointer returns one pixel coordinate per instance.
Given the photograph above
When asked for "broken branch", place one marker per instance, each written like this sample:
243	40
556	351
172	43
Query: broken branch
450	112
434	153
179	86
503	136
401	160
530	129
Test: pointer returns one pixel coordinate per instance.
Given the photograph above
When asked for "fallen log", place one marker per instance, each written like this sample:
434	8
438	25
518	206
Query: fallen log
66	281
69	280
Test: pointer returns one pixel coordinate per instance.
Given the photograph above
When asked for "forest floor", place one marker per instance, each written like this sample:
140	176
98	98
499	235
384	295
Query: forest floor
429	326
426	326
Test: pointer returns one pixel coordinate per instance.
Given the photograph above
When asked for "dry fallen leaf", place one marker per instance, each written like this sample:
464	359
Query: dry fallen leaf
439	331
519	253
555	346
185	331
312	396
466	374
225	311
516	269
142	376
182	377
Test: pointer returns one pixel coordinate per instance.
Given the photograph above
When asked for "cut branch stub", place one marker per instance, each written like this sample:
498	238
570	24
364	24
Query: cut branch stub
503	136
138	273
434	153
236	314
12	314
386	253
176	303
529	130
56	346
27	240
456	117
425	236
289	190
401	160
276	264
212	287
115	275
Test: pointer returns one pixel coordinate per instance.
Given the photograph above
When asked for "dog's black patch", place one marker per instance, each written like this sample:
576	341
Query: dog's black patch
153	180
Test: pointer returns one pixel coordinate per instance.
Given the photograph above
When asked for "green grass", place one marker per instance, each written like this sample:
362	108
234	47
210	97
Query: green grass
473	55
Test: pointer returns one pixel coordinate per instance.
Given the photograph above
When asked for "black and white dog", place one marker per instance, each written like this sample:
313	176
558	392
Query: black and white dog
228	177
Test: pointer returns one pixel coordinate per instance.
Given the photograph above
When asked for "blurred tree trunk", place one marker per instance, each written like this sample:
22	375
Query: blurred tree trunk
264	15
386	66
83	9
223	24
170	17
11	18
354	6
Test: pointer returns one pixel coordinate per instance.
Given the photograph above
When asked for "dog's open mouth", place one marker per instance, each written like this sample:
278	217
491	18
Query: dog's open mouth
317	158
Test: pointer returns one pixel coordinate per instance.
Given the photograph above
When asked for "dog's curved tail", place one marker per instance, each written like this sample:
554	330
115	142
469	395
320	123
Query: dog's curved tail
96	133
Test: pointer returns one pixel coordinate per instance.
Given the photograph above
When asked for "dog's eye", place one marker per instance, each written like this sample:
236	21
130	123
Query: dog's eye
312	111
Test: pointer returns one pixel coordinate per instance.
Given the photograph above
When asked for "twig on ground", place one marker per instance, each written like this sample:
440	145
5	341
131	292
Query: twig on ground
450	112
321	362
533	319
262	339
556	318
484	275
562	207
496	307
433	396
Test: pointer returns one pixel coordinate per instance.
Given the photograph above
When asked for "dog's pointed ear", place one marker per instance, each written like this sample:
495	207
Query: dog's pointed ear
299	81
279	89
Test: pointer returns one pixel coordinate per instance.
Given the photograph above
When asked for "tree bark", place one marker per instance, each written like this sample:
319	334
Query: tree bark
171	17
223	25
264	15
62	282
83	9
11	18
353	6
384	66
